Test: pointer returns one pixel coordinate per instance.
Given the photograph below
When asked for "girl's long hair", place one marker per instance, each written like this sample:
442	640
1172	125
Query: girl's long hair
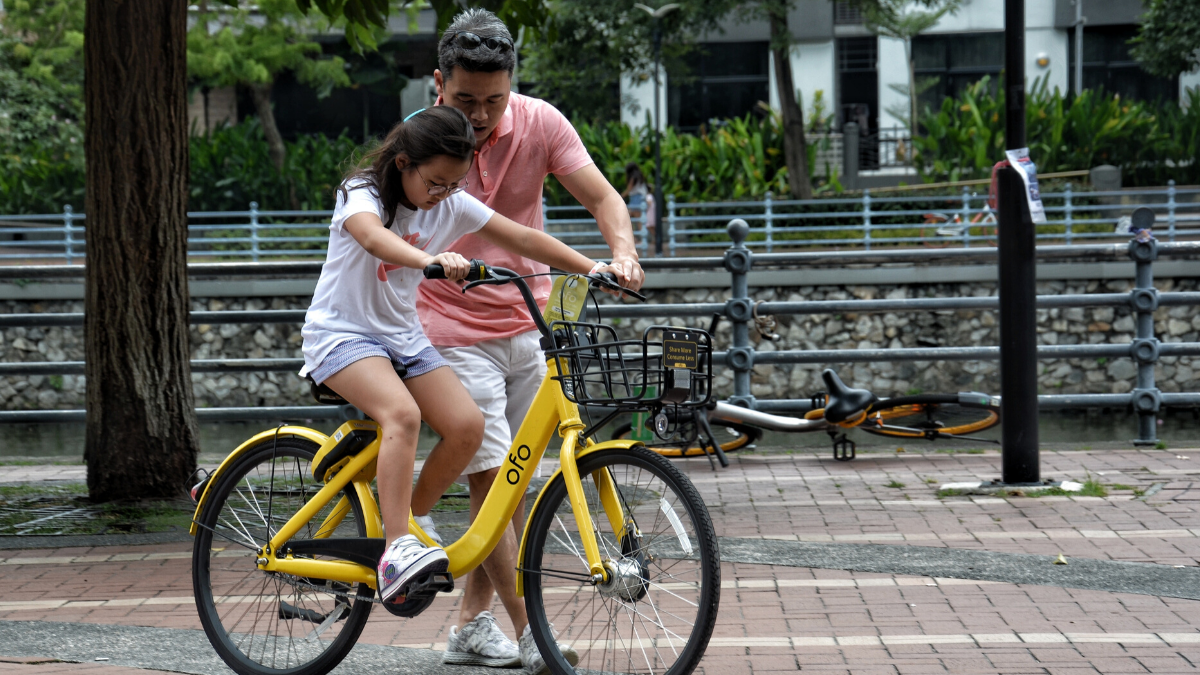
440	130
633	175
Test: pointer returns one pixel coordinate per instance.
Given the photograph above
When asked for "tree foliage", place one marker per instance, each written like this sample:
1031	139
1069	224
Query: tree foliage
1168	40
47	42
904	20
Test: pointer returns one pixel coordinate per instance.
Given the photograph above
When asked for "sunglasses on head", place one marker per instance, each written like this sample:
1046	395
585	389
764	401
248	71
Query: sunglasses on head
472	41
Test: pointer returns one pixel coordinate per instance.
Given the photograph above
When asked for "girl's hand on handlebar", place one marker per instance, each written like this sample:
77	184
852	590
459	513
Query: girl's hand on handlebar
455	265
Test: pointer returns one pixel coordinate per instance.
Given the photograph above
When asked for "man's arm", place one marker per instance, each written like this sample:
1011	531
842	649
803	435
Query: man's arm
594	192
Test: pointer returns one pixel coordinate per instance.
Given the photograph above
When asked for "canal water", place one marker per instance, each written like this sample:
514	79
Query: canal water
1058	429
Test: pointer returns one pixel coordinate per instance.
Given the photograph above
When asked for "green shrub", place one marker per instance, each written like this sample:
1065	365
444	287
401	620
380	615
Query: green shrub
1151	142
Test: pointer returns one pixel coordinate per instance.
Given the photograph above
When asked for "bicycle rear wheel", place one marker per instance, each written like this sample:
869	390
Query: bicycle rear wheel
656	613
731	436
266	623
931	416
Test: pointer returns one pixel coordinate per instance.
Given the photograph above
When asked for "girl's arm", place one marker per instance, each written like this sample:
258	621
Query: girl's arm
536	245
368	230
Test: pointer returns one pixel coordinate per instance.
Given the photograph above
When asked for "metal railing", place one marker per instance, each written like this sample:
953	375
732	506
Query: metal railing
1145	398
865	221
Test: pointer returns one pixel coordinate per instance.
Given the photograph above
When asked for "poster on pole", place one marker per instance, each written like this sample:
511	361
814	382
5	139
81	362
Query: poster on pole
1019	160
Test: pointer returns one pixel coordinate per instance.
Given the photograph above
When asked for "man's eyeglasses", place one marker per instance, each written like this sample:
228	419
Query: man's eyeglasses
434	189
472	41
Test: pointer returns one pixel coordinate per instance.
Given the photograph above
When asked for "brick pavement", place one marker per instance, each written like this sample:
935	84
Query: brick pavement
779	618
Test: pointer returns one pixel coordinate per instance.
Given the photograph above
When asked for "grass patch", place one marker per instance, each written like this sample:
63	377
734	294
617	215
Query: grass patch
1091	488
950	492
64	508
894	484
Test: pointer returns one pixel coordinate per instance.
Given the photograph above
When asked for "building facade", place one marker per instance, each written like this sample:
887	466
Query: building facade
858	73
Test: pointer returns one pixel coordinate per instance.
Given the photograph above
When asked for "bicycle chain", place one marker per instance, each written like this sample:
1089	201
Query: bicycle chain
325	589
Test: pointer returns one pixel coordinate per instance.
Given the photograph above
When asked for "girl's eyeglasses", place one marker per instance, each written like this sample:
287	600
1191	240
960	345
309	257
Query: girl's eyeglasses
472	41
434	189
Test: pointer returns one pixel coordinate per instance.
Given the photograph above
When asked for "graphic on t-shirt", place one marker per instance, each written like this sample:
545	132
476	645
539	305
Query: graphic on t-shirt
384	268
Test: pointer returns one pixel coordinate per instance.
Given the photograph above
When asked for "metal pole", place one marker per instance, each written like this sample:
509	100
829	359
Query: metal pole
740	310
1018	292
1146	397
658	191
1078	89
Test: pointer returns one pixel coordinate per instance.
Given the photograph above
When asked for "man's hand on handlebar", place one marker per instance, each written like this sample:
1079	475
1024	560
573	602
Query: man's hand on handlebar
628	270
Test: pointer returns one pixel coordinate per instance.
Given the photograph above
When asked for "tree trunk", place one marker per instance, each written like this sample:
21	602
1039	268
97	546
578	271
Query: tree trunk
795	146
141	425
262	104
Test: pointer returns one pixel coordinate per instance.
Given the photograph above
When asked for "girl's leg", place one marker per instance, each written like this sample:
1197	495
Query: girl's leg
371	385
448	409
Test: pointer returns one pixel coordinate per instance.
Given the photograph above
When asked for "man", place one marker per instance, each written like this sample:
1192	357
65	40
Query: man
487	335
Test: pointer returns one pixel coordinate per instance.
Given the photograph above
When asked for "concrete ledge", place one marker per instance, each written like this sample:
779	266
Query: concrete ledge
855	276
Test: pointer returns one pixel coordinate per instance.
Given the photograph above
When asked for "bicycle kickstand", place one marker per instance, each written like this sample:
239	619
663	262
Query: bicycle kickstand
701	418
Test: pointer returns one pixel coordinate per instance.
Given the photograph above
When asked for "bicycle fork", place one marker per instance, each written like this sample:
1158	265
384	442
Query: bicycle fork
610	501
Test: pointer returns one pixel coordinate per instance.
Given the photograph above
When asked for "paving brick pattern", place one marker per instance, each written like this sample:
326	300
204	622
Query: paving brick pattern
783	619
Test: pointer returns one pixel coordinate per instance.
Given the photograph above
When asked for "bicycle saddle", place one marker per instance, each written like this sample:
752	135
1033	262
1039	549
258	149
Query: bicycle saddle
844	402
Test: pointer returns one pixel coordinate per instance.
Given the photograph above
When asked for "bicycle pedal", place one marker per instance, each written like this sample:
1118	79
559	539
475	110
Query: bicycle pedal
844	449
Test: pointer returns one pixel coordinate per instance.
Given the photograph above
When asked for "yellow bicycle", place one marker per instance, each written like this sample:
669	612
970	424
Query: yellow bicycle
618	553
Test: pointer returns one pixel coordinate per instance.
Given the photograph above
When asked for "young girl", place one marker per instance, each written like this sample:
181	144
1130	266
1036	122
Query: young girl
640	199
392	219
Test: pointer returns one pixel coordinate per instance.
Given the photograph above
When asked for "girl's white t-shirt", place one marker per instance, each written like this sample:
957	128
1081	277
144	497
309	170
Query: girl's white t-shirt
358	295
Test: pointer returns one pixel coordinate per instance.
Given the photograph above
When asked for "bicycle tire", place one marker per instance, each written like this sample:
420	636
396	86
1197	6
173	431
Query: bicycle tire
251	616
930	416
661	614
742	436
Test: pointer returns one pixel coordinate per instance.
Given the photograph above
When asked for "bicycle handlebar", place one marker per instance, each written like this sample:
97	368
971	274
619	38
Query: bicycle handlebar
481	274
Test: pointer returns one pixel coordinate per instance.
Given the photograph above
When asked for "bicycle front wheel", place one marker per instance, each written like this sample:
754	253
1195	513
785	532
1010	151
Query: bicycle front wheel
266	623
931	416
656	612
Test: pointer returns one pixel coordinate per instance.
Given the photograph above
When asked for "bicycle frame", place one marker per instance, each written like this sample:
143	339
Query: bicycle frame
550	410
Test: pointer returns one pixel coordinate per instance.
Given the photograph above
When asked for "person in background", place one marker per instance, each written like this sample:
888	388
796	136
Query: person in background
640	200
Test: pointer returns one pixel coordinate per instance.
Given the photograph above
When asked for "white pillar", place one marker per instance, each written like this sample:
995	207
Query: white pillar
893	70
637	99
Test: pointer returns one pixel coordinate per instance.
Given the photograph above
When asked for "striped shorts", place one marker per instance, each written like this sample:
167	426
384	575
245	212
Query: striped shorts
360	348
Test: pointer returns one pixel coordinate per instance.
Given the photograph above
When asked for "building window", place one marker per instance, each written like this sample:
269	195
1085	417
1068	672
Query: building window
957	61
846	14
858	82
1107	65
726	79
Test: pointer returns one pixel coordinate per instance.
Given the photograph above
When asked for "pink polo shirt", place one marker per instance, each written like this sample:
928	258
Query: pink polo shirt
532	141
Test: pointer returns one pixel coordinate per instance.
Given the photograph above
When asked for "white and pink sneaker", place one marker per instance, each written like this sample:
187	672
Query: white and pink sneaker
406	560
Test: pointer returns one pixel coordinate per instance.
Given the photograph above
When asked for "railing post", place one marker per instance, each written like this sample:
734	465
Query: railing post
671	225
1171	210
1145	397
740	311
966	217
254	231
768	220
867	219
1068	211
68	218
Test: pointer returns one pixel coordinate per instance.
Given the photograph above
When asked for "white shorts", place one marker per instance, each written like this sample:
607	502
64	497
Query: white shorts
502	377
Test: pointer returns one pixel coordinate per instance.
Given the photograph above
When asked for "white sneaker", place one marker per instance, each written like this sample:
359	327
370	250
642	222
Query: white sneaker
426	523
405	560
532	660
481	643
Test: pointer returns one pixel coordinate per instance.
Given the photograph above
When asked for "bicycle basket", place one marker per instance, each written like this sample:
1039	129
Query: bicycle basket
669	365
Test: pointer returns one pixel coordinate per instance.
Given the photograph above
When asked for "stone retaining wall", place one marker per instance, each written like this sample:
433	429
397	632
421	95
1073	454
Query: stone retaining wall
826	331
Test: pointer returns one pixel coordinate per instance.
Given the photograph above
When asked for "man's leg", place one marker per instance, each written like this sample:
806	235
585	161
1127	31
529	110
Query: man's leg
498	571
526	367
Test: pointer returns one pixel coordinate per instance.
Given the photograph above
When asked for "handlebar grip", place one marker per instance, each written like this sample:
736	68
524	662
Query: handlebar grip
478	271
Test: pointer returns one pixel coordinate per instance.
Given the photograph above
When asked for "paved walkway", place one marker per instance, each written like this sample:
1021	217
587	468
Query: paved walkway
869	572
